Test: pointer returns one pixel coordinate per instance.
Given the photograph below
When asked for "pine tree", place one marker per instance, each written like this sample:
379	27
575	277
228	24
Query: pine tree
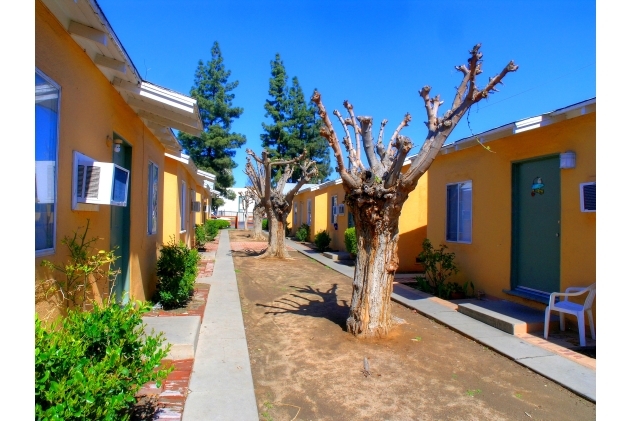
294	126
214	150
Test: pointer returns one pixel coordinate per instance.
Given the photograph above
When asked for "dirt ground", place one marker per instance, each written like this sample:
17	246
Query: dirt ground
306	367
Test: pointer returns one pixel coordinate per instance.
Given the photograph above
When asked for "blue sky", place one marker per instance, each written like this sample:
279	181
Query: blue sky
376	54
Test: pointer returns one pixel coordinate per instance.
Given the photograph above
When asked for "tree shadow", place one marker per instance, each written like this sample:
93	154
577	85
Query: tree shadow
247	253
326	305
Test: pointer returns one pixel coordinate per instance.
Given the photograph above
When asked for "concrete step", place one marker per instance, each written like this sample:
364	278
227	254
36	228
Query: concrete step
507	316
337	255
181	332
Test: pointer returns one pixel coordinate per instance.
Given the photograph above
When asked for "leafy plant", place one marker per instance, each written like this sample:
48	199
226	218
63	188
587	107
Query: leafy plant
89	365
264	224
200	236
350	240
177	270
86	265
322	240
303	233
212	227
439	266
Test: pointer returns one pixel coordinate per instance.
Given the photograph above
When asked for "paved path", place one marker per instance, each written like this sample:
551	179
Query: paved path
569	374
221	386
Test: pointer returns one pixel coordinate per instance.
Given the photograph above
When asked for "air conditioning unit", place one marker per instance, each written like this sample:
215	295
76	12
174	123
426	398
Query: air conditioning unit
197	206
340	209
588	197
44	181
99	183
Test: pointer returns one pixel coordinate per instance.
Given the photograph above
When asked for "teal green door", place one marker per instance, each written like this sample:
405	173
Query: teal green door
119	230
536	225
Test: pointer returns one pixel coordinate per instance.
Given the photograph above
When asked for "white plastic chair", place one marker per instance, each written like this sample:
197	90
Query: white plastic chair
578	310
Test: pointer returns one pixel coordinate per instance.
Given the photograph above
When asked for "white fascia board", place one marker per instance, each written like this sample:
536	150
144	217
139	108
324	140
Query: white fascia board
207	175
177	158
529	124
169	94
584	106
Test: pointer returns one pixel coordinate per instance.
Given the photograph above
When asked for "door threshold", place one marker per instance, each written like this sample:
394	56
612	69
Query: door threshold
528	294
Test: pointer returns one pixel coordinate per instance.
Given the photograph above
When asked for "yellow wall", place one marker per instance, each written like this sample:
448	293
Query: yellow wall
90	110
487	260
413	226
175	173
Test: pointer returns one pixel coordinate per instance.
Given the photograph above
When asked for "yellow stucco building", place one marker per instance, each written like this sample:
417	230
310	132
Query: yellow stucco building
103	146
520	217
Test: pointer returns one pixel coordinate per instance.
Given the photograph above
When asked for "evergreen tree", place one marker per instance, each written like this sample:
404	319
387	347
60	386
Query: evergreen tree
214	150
294	126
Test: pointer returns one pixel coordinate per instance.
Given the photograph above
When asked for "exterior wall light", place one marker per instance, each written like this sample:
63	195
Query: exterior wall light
568	160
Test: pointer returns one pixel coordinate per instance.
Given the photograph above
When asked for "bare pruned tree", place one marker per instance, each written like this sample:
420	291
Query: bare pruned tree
256	189
245	205
278	204
376	193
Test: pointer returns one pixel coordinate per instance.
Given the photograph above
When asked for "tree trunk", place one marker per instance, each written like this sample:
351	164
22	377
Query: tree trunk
376	263
276	244
257	230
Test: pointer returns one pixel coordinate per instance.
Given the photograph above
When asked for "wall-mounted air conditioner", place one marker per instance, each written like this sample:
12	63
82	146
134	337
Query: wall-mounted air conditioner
197	206
44	181
99	183
588	197
340	209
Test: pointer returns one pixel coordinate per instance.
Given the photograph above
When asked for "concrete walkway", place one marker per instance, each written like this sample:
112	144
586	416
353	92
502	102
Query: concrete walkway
221	386
569	374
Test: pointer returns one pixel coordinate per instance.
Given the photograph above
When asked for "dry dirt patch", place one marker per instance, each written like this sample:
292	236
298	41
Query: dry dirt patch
306	367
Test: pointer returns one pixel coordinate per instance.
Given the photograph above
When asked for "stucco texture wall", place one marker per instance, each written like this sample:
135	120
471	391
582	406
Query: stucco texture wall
90	110
487	260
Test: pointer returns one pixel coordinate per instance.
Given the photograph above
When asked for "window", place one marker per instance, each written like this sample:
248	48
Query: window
351	220
309	212
183	207
152	202
334	209
459	212
46	142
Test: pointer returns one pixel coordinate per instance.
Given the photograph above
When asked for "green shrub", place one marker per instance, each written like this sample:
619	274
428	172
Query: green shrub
177	270
439	266
264	224
303	233
322	240
89	365
350	240
200	235
213	226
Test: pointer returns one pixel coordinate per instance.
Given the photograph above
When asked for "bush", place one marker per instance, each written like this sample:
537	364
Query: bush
322	240
90	365
350	240
200	235
177	270
213	226
264	224
439	266
303	233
